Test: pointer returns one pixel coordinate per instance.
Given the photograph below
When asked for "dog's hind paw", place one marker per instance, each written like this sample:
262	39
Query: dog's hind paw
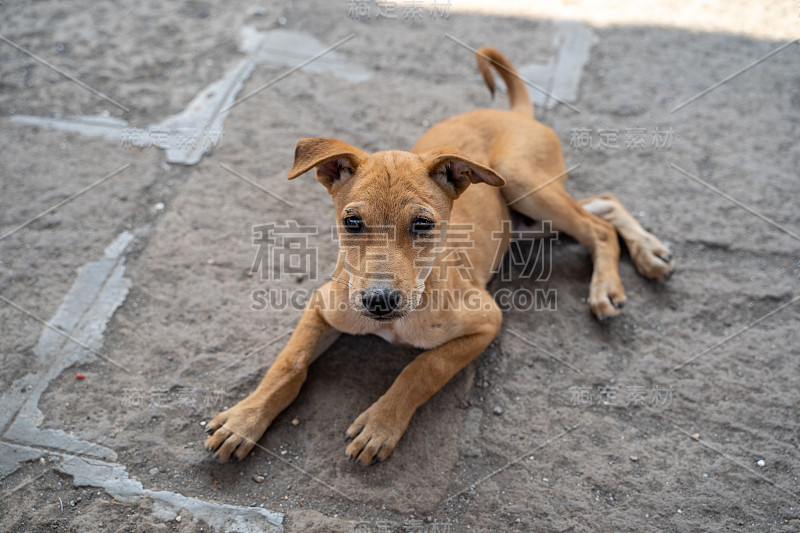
652	258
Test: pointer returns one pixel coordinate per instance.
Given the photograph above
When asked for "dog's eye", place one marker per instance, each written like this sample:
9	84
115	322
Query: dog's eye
421	226
353	224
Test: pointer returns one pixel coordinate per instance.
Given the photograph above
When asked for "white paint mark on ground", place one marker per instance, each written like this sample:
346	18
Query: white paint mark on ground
12	456
116	482
289	48
198	129
100	289
561	75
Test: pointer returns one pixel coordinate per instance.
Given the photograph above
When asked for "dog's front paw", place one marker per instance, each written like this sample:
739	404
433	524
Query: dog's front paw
375	433
652	258
606	296
234	432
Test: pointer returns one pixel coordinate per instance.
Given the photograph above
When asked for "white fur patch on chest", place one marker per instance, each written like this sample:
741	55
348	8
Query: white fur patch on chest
387	334
413	335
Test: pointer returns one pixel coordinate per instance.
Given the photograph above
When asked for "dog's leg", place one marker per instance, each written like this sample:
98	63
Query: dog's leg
652	259
234	432
534	193
377	430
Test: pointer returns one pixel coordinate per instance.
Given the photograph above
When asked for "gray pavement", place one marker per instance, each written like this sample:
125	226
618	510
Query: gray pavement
135	173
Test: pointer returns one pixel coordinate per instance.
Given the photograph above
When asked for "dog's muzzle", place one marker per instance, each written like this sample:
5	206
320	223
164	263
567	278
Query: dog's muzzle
382	303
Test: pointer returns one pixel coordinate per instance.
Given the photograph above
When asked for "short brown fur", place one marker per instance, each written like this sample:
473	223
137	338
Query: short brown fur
468	170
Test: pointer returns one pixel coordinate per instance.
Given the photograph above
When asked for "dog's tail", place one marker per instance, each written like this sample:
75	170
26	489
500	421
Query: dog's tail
488	57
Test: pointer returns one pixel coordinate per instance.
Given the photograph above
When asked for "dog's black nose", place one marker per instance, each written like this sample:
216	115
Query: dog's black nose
381	301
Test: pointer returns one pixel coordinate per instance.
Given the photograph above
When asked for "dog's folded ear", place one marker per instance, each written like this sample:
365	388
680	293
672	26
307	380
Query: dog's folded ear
335	160
454	171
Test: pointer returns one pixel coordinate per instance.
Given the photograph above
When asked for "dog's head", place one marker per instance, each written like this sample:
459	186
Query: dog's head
392	210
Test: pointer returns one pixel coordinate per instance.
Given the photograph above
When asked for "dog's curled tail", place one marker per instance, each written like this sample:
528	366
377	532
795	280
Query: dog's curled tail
488	57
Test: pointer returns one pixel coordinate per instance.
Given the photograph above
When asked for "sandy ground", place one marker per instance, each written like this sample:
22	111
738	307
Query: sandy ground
564	423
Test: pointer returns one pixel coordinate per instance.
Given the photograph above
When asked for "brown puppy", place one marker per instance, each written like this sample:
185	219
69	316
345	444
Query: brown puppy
403	276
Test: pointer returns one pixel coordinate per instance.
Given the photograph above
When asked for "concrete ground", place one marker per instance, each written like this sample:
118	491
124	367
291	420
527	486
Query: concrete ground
144	147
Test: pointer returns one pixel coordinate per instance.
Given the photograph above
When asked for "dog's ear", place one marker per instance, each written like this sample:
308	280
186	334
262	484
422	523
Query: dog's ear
454	171
335	160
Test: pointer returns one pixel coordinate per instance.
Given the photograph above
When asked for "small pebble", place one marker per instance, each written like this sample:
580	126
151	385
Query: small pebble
178	518
203	423
498	410
696	436
258	479
256	12
153	471
761	462
634	458
295	421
